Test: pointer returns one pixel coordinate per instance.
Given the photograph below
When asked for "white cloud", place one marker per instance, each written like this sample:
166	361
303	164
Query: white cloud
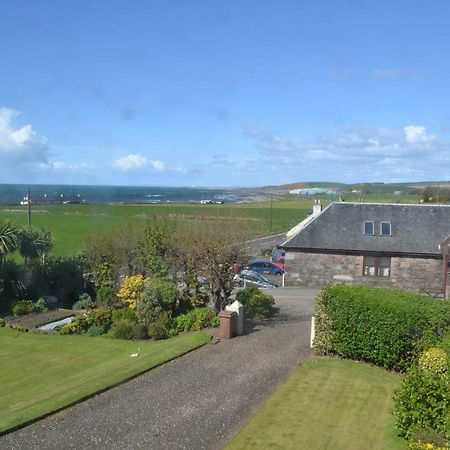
358	153
132	161
20	147
418	135
25	155
158	165
135	162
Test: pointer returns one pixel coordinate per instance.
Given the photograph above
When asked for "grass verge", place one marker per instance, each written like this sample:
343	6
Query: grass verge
327	404
41	374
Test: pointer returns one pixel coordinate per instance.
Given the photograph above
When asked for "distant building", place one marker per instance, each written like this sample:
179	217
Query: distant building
312	191
55	200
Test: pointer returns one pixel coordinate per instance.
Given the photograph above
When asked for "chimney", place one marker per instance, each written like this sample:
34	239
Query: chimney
317	208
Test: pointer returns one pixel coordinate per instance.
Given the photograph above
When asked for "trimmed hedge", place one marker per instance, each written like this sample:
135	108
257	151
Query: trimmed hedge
386	327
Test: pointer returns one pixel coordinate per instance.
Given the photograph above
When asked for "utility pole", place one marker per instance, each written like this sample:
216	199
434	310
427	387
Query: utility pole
29	206
271	212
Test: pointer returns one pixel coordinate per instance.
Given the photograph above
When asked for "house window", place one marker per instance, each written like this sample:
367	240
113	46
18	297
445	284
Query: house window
369	228
385	228
376	266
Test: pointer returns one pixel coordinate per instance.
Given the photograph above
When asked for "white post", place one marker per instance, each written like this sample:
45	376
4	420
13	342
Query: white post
313	331
239	309
282	280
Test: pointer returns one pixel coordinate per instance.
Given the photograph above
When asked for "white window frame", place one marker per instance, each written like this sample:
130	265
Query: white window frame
381	228
373	228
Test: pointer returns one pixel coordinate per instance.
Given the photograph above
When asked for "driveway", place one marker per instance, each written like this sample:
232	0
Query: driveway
198	401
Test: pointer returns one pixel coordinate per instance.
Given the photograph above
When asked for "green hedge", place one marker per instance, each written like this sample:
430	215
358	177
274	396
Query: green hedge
386	327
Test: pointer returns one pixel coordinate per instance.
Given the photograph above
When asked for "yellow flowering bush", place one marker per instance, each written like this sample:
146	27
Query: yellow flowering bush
434	361
418	445
131	290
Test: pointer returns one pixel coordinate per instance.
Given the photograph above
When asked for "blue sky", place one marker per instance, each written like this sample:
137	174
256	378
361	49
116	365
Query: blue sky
224	93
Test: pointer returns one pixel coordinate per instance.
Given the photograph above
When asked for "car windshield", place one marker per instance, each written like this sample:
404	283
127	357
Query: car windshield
263	279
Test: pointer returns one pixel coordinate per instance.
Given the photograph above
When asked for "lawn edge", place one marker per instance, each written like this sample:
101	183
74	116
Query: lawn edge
98	392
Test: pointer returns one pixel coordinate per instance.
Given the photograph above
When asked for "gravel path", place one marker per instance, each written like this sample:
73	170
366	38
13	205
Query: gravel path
195	402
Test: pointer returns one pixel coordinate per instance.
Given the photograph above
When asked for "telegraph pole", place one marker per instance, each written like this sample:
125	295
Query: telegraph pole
271	212
29	206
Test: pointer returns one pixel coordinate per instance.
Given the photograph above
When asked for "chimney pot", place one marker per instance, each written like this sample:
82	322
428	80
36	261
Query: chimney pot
317	207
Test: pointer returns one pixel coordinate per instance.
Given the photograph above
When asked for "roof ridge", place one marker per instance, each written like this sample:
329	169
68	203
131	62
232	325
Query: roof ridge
426	205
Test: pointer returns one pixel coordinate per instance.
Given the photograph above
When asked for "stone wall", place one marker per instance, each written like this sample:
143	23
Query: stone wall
317	270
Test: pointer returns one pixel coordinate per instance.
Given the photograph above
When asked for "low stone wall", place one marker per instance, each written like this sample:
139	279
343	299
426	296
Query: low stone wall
318	270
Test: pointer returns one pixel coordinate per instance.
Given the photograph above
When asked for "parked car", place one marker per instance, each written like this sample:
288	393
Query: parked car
249	278
278	258
263	266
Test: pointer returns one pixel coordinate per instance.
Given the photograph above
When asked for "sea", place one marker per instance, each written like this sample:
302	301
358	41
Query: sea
12	194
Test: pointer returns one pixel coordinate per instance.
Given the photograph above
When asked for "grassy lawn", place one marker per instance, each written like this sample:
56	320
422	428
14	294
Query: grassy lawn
327	404
43	373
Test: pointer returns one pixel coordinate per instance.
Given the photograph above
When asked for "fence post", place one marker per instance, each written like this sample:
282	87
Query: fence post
313	331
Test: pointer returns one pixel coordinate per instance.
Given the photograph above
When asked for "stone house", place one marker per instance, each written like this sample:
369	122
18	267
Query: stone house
392	245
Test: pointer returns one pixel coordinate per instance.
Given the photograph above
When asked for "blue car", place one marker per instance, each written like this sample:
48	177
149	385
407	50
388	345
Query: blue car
263	266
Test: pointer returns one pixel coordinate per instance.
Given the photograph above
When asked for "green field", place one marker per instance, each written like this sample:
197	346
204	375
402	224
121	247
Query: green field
43	373
71	224
327	404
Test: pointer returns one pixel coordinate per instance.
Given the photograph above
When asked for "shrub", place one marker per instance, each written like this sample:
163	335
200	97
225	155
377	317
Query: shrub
434	361
159	296
162	328
23	307
422	401
65	278
419	445
157	331
256	303
84	302
18	328
386	327
124	313
123	329
197	319
106	296
96	330
41	305
424	439
2	323
131	291
101	317
140	331
75	327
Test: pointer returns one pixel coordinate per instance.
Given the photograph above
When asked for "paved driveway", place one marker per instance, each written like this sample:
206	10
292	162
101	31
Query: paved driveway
195	402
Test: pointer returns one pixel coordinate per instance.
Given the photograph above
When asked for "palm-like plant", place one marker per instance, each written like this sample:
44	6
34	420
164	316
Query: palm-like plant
9	238
34	243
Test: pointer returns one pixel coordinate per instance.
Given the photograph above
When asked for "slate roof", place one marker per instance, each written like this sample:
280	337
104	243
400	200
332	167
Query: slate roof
416	229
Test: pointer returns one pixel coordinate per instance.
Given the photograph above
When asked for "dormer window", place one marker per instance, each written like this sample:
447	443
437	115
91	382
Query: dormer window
385	229
369	228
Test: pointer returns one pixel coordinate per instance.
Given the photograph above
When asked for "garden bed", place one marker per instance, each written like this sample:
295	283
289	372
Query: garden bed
35	320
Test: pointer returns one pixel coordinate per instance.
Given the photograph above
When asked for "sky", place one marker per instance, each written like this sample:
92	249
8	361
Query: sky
224	93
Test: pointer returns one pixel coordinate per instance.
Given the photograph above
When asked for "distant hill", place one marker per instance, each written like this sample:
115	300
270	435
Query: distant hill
411	187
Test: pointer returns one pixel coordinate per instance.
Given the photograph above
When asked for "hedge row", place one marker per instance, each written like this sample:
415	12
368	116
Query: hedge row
386	327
